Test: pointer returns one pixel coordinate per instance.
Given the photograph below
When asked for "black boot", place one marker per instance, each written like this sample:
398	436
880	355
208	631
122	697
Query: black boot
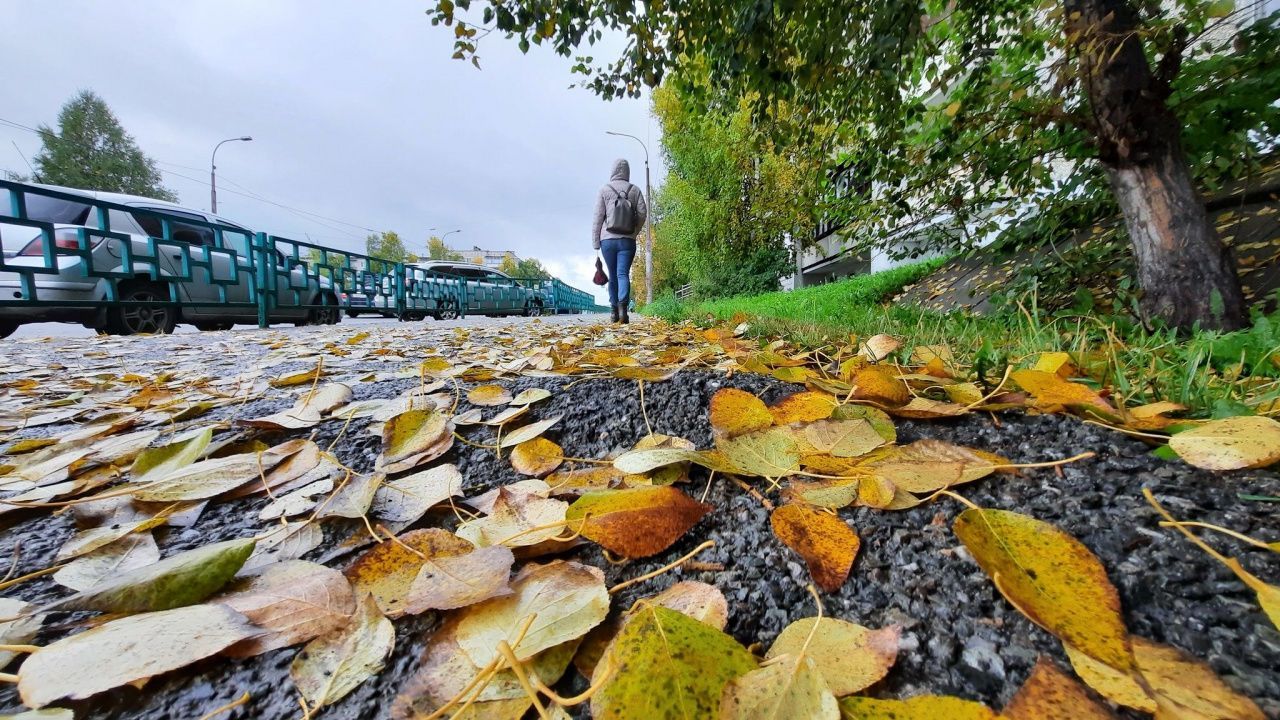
622	311
613	316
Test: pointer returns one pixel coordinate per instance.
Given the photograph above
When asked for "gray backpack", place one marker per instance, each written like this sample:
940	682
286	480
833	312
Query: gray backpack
620	214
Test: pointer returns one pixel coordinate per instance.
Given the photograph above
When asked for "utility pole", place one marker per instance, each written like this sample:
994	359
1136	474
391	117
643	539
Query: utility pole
213	172
648	195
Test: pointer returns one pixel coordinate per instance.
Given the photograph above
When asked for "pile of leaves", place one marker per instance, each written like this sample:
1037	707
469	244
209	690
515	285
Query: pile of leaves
149	453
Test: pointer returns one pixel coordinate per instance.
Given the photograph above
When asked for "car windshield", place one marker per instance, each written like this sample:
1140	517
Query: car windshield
55	210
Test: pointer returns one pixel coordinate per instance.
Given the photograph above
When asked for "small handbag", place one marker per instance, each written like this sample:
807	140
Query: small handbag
600	278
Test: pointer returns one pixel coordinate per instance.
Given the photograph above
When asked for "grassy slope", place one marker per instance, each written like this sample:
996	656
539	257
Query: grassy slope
1201	372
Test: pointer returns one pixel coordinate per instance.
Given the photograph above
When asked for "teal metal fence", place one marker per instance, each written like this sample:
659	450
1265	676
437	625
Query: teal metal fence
73	257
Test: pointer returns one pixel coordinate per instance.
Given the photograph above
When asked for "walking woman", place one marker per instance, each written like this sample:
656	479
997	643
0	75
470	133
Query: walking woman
620	213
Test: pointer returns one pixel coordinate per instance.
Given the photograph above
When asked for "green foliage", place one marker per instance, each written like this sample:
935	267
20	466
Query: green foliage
528	268
437	250
91	150
388	246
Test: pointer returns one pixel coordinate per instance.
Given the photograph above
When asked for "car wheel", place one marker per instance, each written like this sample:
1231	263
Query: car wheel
534	310
448	310
325	314
136	320
7	328
353	314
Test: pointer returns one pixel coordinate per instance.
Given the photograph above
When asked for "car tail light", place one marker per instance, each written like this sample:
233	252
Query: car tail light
65	238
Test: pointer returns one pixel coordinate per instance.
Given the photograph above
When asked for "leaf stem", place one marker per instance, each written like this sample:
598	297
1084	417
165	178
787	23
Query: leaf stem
233	705
679	561
1274	547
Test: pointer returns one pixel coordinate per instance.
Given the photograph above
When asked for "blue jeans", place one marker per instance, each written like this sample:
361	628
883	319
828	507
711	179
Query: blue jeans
618	254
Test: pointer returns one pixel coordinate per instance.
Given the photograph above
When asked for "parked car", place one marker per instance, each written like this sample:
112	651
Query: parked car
366	299
70	209
489	291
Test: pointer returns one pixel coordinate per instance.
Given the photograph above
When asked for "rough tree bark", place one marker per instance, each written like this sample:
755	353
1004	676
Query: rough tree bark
1188	276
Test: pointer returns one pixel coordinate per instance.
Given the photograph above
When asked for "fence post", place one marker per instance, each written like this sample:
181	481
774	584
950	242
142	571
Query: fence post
402	303
261	278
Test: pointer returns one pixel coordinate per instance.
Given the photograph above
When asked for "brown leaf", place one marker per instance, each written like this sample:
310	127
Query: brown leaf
880	384
635	522
292	601
1050	694
414	438
826	543
387	570
536	457
489	396
447	582
805	406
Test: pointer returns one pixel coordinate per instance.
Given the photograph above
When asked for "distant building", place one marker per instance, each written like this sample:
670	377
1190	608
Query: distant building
488	258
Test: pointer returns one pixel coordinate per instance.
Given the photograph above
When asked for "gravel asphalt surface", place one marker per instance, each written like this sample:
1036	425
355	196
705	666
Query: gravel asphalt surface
959	637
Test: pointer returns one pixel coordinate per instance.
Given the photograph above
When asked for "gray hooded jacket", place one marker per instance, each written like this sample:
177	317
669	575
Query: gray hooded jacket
620	180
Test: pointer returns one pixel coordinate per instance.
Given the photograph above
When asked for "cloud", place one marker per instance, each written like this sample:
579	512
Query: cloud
360	118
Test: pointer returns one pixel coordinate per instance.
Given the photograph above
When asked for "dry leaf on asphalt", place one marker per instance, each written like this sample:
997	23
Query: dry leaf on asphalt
698	600
489	396
328	668
686	667
408	498
308	411
518	519
1050	577
128	553
205	479
1183	685
1235	443
284	542
387	570
525	433
826	543
414	438
843	438
537	457
447	582
292	602
566	599
1050	392
21	630
1051	694
790	687
155	463
880	384
530	396
635	522
178	580
771	453
735	412
353	498
128	650
925	707
851	658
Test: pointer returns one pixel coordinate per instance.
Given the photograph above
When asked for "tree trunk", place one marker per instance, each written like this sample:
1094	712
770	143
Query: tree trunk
1188	276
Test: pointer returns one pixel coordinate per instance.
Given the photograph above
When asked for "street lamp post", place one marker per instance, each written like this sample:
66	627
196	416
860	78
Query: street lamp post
213	172
442	237
648	194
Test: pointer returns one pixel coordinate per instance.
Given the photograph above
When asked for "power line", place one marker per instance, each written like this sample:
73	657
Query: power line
305	214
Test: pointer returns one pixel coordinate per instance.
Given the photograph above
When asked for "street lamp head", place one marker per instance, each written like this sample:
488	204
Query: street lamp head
246	138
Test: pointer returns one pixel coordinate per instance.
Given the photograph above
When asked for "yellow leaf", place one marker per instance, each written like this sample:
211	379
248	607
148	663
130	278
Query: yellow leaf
1230	444
843	438
1051	392
925	707
1051	578
635	522
1058	363
736	412
850	657
952	109
1181	684
489	395
803	407
880	384
536	457
789	688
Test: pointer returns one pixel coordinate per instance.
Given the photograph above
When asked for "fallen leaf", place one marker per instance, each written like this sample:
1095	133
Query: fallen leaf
354	498
183	579
1183	686
565	598
880	384
843	438
528	432
289	541
826	543
87	541
531	396
736	412
292	602
635	522
686	664
771	453
1234	443
791	687
698	600
1051	578
387	571
506	416
850	657
879	347
1051	694
489	396
536	457
128	553
204	479
308	411
878	418
21	630
128	650
329	667
925	707
1051	391
413	438
921	408
155	463
408	498
517	520
447	582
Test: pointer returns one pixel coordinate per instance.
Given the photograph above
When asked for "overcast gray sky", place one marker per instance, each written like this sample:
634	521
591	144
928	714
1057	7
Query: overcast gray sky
356	110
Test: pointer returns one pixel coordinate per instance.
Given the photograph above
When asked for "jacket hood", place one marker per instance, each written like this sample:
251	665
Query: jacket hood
621	171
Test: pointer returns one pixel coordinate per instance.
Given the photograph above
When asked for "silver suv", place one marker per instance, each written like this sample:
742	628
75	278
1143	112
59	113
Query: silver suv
220	295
